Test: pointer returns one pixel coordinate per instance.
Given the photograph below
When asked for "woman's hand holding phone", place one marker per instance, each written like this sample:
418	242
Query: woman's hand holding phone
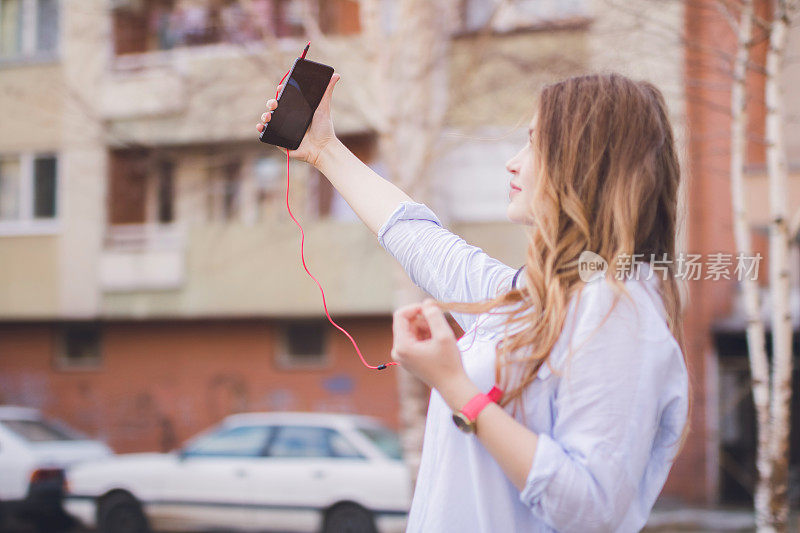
320	133
372	197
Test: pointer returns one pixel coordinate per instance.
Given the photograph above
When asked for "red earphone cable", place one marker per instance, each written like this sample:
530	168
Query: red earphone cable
302	256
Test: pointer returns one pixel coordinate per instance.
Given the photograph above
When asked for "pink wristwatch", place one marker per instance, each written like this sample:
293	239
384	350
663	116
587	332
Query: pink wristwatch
466	416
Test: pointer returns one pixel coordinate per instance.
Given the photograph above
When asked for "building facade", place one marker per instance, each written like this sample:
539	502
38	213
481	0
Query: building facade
151	278
144	229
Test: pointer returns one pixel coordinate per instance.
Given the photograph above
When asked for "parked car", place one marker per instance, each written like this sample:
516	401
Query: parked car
34	452
284	471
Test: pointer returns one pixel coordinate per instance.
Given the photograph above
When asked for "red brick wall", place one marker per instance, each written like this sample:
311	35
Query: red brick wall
710	48
162	382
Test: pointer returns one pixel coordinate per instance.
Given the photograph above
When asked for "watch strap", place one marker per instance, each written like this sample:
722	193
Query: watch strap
479	401
495	394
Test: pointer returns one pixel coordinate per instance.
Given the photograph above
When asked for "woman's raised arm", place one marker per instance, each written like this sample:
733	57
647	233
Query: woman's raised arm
372	197
438	261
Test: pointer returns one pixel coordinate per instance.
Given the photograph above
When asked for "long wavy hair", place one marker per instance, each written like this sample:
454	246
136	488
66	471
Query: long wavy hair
607	177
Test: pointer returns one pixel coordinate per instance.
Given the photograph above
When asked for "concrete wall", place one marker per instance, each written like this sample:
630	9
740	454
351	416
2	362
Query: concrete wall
189	99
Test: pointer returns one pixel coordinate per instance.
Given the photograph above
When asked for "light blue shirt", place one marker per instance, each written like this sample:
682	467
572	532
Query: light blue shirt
608	423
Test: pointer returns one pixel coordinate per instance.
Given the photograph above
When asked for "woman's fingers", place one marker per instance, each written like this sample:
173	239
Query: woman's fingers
436	320
410	325
401	325
421	329
325	103
265	117
408	311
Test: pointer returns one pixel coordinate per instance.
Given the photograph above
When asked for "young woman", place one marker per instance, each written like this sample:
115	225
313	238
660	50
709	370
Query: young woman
593	367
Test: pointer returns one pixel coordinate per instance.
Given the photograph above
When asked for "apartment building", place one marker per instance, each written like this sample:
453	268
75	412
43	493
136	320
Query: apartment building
152	280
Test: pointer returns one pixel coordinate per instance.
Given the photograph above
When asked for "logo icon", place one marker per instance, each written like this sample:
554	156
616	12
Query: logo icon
591	266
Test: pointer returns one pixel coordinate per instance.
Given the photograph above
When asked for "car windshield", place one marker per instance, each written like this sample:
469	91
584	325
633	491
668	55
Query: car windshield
240	441
38	430
386	439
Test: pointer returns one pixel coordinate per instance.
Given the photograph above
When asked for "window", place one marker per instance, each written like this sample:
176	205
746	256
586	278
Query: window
44	187
79	347
166	192
268	173
225	191
168	24
320	194
341	447
242	441
28	192
9	188
47	25
308	441
141	187
326	202
289	18
385	439
38	430
303	343
520	14
10	28
28	28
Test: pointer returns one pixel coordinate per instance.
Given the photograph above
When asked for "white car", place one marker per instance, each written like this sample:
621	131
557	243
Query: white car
33	455
279	471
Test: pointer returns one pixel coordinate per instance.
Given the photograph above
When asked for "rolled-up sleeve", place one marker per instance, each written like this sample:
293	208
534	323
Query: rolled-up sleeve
440	262
587	471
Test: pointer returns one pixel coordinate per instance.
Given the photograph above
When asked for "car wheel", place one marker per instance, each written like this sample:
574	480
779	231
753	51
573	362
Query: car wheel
121	513
3	520
56	523
348	518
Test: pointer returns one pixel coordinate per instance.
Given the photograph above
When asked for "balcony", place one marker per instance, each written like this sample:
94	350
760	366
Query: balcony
151	25
138	257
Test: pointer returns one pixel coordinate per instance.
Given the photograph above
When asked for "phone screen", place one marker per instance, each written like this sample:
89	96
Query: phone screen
300	97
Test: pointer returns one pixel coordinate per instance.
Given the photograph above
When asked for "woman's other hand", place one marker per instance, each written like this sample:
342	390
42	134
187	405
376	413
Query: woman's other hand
425	345
319	134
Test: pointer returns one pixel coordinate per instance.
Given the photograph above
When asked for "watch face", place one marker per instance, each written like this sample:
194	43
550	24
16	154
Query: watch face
463	423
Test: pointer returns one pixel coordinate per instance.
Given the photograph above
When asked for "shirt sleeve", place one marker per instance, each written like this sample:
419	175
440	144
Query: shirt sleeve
440	262
586	473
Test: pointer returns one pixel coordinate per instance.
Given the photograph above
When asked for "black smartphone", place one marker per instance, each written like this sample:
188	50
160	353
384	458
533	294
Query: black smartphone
297	101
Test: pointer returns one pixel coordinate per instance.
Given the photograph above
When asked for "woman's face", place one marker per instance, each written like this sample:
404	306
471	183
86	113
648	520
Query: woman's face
521	167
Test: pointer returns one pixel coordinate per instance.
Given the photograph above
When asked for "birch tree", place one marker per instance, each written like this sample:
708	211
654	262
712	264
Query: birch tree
771	395
771	385
759	367
780	401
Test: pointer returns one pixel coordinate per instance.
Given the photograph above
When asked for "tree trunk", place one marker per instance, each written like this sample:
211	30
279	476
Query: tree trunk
410	81
779	272
414	394
759	366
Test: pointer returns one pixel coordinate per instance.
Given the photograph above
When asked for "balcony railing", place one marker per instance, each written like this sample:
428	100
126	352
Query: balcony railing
144	237
147	27
140	257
